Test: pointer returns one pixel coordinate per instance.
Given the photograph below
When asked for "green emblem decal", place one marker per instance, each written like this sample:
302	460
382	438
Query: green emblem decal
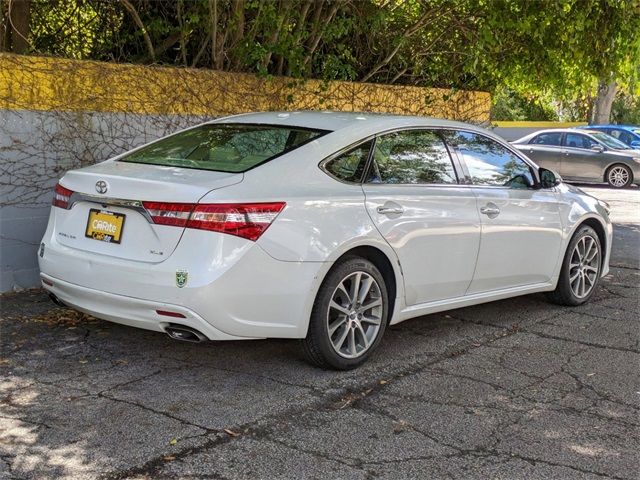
181	278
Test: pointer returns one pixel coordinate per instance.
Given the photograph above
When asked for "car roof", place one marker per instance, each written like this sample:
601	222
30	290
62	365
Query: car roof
623	127
334	121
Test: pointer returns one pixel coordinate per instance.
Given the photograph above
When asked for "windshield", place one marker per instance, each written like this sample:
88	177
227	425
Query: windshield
223	147
609	141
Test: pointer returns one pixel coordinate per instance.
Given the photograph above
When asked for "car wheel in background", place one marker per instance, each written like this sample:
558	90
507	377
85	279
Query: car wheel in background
580	269
349	316
619	176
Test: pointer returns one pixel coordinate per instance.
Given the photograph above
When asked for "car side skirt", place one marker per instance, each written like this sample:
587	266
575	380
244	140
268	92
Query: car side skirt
469	300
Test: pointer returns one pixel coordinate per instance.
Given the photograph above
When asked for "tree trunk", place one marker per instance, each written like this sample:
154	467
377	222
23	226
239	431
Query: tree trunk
19	18
604	101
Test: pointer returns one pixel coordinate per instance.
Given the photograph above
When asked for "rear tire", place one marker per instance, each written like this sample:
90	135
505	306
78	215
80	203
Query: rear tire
581	268
619	176
349	316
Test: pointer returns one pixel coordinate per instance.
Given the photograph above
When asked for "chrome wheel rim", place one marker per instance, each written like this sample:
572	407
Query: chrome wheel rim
618	176
354	316
584	266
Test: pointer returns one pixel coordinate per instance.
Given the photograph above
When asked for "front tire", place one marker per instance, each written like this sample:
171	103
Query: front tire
619	176
580	269
349	316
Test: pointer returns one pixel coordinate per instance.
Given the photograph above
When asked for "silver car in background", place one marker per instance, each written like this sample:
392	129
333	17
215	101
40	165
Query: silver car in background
583	156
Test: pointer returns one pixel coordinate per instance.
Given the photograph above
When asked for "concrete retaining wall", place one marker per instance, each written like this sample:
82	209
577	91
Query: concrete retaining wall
58	114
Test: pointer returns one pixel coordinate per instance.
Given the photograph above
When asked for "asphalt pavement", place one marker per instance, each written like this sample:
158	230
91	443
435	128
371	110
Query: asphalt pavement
516	389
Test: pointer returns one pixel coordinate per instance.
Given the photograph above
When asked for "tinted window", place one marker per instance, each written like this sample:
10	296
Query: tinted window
547	139
575	140
622	135
350	165
490	163
411	157
223	147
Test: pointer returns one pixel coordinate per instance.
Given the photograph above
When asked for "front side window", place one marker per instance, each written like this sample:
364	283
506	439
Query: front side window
349	166
553	139
229	148
490	163
411	157
575	140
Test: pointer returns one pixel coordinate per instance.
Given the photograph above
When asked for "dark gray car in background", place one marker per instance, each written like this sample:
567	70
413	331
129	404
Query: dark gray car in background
583	156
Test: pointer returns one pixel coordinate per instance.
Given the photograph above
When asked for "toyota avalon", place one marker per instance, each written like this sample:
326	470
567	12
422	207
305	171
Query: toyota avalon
325	227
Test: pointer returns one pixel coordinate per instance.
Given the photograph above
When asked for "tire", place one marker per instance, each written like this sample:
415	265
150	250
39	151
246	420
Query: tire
342	334
619	176
579	271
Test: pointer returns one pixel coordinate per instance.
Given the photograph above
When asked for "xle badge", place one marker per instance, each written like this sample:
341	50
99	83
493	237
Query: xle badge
181	278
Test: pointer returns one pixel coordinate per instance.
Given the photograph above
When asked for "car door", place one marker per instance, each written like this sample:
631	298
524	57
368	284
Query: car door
414	199
545	149
579	161
521	228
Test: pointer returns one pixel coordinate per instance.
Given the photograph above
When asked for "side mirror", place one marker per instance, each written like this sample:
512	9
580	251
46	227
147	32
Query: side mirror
549	178
635	144
597	148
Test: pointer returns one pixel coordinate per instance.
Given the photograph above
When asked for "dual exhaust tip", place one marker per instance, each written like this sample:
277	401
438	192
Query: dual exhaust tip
175	331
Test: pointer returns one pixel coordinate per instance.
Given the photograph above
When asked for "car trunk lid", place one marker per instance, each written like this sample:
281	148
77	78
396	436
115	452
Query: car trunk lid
111	195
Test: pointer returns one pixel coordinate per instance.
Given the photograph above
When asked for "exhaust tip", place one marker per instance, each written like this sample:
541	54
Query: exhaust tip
184	334
56	300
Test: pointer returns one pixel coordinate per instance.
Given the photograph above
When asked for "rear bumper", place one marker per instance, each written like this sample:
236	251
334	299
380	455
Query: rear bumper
234	289
130	311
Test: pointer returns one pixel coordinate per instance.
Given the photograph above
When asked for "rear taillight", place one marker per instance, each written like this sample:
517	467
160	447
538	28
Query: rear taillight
61	197
246	220
174	214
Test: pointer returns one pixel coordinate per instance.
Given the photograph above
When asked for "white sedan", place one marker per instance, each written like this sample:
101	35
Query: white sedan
325	227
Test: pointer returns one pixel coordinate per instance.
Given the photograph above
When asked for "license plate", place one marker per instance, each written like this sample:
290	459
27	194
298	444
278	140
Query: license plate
104	226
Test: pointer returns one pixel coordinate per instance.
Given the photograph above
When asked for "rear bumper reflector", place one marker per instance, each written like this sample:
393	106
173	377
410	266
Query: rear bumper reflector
168	313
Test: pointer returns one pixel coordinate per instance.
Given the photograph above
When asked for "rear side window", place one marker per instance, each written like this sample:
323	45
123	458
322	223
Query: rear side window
490	163
411	157
229	148
554	139
349	166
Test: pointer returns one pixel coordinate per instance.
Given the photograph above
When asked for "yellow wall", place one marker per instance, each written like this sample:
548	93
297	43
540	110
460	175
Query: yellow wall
44	83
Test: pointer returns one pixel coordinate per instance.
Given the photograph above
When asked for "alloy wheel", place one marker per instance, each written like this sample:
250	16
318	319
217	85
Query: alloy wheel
618	176
355	314
584	266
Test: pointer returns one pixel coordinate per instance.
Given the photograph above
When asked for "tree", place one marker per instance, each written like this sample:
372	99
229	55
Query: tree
14	30
578	52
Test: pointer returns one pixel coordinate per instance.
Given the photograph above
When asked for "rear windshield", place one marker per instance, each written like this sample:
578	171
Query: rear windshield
225	147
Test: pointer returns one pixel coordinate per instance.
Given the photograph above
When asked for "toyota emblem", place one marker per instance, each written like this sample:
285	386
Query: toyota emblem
101	186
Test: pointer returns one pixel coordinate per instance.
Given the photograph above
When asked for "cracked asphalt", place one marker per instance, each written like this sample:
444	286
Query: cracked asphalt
516	389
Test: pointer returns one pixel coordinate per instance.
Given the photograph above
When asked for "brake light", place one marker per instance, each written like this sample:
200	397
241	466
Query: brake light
61	197
246	220
174	214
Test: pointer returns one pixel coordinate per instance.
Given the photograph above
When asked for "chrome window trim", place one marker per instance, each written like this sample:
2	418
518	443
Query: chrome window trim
458	164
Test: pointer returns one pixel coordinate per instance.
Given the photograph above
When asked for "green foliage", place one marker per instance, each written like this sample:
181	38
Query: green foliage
626	110
510	106
526	51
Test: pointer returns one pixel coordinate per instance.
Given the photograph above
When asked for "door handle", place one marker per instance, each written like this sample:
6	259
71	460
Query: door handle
387	209
491	210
